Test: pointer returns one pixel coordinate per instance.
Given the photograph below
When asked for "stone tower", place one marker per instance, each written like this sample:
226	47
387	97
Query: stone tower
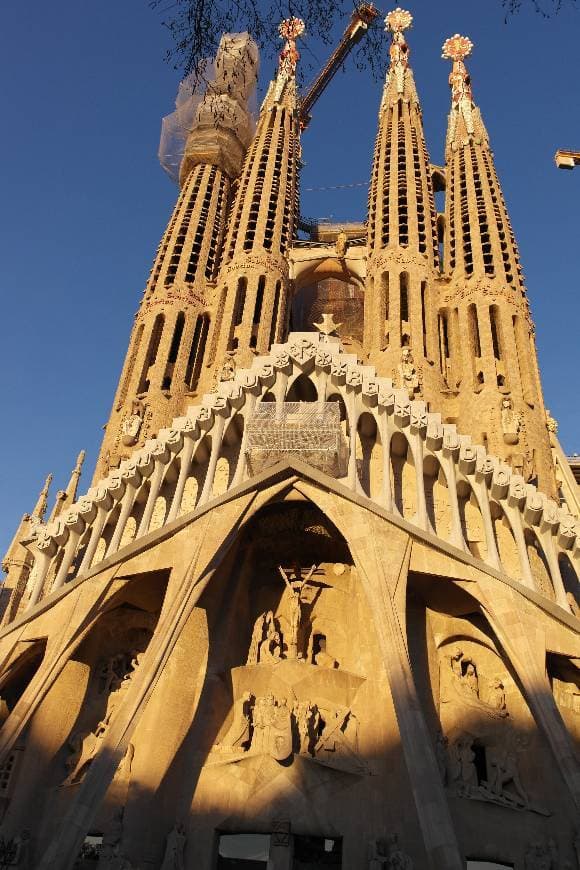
253	285
403	255
319	607
484	305
164	363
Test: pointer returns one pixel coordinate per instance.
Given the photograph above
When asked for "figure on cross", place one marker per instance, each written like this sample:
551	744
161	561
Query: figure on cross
296	584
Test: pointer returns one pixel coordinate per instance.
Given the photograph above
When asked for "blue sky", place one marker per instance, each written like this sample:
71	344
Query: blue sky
84	201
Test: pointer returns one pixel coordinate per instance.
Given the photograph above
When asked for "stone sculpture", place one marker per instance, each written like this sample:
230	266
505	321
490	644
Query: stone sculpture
388	854
307	718
173	858
541	856
503	763
510	422
408	376
238	737
131	425
295	587
323	658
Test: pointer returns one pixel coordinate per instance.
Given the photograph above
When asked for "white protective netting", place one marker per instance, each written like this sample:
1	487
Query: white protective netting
308	430
223	92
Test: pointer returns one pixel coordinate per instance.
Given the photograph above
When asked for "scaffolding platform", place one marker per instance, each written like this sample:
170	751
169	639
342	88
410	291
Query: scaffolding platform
309	430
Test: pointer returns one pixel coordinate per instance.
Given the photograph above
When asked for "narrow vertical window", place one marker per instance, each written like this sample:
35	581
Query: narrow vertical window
238	311
524	356
197	351
257	311
493	321
424	315
275	311
151	355
474	330
173	351
385	306
404	309
130	365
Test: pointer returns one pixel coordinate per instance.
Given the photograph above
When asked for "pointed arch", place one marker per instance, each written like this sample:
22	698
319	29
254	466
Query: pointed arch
570	581
539	565
506	543
404	479
471	521
437	497
369	457
302	390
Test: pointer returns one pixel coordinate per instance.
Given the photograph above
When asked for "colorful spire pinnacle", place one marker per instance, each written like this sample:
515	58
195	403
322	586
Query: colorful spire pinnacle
290	29
396	23
456	49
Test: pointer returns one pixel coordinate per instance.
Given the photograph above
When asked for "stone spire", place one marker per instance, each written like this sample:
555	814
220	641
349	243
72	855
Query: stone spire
402	229
487	350
40	507
166	354
66	497
253	283
18	561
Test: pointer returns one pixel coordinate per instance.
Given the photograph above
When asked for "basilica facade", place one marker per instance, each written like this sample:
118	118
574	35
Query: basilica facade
320	605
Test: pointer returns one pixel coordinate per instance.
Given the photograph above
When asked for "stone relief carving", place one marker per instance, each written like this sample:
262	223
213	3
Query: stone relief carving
480	746
173	859
295	585
510	421
387	853
407	376
322	658
541	856
131	424
114	677
16	852
490	696
226	374
503	785
266	725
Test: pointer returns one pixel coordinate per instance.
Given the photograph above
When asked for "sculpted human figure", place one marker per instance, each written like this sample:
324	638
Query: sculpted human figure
173	858
498	698
257	636
307	720
271	647
455	662
471	680
295	587
377	854
408	376
323	658
238	737
131	425
504	766
540	856
466	760
341	244
83	755
510	422
396	858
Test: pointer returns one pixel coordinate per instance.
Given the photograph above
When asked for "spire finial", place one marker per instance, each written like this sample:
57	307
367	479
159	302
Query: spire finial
289	29
40	508
456	49
396	22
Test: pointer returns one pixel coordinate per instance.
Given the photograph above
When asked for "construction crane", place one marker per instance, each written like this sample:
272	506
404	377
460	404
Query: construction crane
567	159
361	18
